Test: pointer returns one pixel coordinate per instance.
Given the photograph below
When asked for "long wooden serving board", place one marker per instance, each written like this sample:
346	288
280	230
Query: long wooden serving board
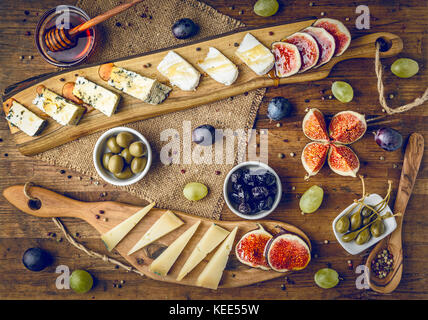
131	109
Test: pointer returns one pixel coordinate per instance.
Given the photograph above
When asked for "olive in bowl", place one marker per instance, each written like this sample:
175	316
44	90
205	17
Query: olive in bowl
122	156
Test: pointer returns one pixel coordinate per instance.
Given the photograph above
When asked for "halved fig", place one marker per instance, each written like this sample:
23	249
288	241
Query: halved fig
313	157
342	160
326	44
347	127
308	48
314	126
338	30
250	250
287	252
287	59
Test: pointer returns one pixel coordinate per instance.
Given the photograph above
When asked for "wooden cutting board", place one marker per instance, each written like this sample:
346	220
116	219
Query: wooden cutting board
112	213
131	109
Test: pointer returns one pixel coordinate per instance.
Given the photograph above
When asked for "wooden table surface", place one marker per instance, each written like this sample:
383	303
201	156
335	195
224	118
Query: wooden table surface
18	231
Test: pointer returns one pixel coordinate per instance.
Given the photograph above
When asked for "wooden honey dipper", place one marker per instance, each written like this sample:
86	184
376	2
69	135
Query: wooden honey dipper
58	39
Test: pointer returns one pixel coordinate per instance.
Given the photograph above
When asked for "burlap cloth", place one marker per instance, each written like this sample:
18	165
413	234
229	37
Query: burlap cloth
143	28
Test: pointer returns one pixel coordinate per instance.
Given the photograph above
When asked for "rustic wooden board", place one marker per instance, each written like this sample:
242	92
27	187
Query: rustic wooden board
113	213
131	109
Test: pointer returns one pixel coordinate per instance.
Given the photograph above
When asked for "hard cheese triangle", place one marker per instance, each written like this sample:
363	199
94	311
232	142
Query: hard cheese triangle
209	241
112	237
162	264
164	225
210	277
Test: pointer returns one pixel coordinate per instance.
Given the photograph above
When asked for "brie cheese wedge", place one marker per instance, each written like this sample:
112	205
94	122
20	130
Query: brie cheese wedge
25	119
218	67
179	72
255	55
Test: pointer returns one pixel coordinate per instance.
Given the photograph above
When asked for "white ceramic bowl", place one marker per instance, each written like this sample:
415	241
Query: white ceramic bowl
227	188
390	225
101	148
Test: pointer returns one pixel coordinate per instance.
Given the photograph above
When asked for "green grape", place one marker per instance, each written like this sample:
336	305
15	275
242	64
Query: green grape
342	91
326	278
404	68
81	281
311	199
195	191
266	8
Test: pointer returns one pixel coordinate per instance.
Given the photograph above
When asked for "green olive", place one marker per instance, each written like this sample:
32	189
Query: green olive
356	221
377	228
342	225
115	164
125	174
363	236
126	155
366	212
124	139
138	164
106	158
112	145
137	149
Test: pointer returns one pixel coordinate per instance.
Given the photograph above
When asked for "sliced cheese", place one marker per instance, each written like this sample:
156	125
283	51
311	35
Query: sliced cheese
208	242
164	225
218	67
112	237
179	72
24	119
93	94
211	275
138	86
255	55
58	108
162	264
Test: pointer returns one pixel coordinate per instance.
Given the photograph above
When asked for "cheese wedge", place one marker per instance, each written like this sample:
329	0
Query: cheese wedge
210	277
164	225
162	264
58	108
208	242
25	119
179	72
218	67
255	55
134	84
93	94
112	237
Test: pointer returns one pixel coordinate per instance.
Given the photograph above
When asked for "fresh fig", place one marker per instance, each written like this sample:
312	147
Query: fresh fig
325	42
338	30
347	127
287	252
313	157
314	126
287	59
342	160
250	250
308	48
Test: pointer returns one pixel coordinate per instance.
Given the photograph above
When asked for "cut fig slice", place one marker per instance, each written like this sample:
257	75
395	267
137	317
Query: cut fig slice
338	30
347	127
250	250
326	44
287	252
314	126
308	48
287	59
313	157
342	160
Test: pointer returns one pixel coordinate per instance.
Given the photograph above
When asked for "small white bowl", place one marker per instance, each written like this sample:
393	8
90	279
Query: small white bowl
227	188
390	225
101	148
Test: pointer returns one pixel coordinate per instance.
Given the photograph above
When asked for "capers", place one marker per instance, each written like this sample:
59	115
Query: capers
125	174
363	236
366	212
115	164
138	164
124	139
342	225
113	146
137	149
349	236
356	221
377	228
126	155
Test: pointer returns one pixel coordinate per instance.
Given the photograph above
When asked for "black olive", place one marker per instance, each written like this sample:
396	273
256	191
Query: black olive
259	192
244	208
235	197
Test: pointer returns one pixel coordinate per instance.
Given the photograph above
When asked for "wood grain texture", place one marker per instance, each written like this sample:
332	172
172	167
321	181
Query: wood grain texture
407	19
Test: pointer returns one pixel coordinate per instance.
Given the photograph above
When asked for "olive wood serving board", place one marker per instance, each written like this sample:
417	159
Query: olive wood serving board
131	109
235	275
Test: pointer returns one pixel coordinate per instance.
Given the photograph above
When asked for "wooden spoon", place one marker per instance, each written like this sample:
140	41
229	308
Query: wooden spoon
393	242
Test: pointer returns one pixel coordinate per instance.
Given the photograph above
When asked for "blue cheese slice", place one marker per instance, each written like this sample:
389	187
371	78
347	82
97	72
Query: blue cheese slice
25	119
58	108
93	94
218	67
134	84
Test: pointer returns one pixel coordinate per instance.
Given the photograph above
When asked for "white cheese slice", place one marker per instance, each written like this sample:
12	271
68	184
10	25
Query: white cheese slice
208	242
138	86
164	225
112	237
25	119
162	264
211	275
58	108
218	67
179	72
93	94
255	55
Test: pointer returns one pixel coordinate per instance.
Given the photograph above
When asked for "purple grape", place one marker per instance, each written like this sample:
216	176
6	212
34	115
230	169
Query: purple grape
184	28
36	259
278	108
204	135
388	139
